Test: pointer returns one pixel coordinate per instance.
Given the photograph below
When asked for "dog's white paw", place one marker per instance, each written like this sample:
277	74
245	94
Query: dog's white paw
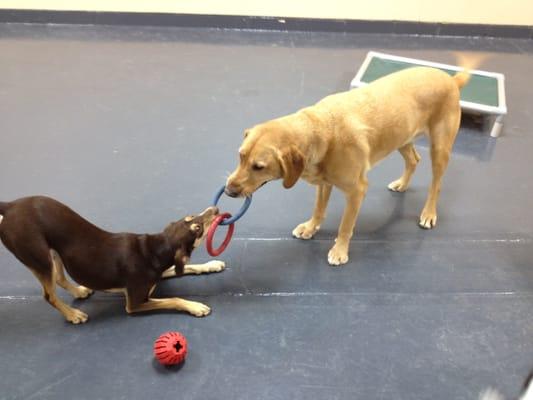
198	309
338	255
208	267
82	292
398	186
428	220
215	266
76	316
305	230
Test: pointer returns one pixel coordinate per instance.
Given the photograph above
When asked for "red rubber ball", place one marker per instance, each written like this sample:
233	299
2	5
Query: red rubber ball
170	348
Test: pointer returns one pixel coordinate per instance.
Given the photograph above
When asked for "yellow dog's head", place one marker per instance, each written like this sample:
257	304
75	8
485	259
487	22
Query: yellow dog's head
266	153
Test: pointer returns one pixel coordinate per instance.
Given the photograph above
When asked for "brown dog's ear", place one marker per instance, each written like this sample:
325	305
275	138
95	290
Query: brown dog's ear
292	166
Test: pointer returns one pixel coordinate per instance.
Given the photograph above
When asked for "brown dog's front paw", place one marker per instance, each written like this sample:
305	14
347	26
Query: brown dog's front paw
305	231
338	255
76	317
198	309
215	266
428	220
207	268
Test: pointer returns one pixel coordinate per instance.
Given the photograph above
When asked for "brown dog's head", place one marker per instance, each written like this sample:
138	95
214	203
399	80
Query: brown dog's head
188	233
266	154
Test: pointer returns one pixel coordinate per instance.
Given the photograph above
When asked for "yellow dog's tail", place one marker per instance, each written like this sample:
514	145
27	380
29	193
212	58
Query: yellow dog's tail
467	61
461	78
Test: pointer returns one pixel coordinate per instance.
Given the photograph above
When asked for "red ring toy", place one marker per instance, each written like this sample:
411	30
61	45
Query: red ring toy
211	233
170	348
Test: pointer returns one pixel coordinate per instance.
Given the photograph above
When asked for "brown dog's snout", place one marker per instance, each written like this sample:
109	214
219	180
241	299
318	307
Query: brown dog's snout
210	212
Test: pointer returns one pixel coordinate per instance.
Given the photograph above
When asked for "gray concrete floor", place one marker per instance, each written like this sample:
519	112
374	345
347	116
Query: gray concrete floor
135	127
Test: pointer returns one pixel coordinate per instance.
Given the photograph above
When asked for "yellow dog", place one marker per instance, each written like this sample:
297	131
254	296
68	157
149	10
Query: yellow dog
339	139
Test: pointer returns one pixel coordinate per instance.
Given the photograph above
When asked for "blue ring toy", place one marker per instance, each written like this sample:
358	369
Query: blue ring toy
240	213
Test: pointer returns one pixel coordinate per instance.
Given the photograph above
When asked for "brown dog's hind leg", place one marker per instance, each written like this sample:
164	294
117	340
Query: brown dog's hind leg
138	302
442	136
307	229
411	158
78	292
49	292
35	254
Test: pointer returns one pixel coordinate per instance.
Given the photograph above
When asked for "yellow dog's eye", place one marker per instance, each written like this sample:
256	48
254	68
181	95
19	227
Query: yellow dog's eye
257	167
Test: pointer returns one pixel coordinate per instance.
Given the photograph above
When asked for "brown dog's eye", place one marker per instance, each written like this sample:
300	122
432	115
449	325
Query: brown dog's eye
258	167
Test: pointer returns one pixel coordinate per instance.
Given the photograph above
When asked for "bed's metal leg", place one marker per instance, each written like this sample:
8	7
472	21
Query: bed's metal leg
497	127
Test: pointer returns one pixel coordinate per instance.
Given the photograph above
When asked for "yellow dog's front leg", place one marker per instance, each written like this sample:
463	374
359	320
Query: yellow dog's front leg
307	229
354	198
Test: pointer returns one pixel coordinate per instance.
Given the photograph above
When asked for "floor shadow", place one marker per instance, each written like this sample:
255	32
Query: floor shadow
166	369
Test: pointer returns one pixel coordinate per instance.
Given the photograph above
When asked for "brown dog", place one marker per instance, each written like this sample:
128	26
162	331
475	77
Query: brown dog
339	139
49	237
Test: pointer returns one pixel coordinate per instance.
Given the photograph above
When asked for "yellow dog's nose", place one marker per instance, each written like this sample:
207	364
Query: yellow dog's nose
232	190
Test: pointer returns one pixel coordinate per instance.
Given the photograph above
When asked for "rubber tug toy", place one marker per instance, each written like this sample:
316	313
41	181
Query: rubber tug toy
224	219
170	348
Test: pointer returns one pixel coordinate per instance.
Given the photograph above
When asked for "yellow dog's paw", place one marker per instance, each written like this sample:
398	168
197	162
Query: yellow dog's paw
305	231
338	255
428	220
398	186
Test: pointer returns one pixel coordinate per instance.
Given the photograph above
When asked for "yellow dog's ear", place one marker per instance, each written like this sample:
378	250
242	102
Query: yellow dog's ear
292	166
